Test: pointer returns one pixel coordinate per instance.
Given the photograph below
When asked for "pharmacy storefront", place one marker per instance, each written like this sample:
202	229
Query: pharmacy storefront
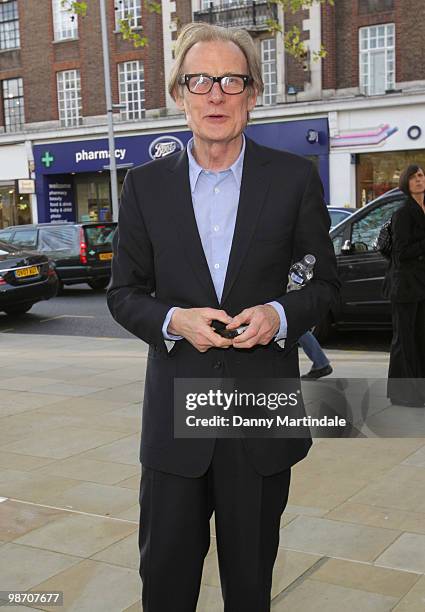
369	148
72	178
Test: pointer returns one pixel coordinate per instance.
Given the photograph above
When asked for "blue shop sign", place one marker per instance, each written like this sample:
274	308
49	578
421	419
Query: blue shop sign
93	155
307	137
60	196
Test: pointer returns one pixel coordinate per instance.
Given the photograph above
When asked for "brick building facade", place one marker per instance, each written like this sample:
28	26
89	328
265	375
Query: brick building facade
368	93
52	83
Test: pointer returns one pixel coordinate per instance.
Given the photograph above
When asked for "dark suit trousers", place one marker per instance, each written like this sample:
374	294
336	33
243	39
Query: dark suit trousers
174	532
407	358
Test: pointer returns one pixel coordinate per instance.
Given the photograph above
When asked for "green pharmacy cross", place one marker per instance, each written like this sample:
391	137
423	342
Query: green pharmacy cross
47	159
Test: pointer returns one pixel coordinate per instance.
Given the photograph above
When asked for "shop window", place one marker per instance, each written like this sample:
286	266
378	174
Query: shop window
269	70
377	58
69	97
13	104
377	173
93	197
9	25
65	23
130	10
132	90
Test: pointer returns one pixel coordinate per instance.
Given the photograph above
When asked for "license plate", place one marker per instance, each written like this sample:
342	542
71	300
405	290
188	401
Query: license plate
25	272
105	256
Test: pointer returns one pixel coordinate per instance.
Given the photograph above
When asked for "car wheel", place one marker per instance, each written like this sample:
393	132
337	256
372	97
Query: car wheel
19	309
323	329
60	287
98	283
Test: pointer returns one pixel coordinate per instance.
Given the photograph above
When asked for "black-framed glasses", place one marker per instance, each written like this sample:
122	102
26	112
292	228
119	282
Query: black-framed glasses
231	84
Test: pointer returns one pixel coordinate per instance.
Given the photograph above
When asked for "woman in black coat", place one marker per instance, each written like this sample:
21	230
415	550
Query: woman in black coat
407	293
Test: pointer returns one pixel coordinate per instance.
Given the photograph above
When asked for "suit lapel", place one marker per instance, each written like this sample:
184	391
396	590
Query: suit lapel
184	219
256	178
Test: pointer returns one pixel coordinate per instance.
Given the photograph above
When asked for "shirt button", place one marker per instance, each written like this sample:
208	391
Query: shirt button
216	190
217	365
216	228
216	266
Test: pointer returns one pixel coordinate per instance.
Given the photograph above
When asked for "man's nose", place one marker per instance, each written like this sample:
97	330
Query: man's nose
216	93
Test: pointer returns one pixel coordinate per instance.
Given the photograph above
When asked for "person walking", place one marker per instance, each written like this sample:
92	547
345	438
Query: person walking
320	363
406	286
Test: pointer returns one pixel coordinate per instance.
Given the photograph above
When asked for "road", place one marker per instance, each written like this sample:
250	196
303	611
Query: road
80	311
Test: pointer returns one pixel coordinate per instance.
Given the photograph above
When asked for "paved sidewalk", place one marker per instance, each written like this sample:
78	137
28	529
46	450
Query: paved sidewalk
352	537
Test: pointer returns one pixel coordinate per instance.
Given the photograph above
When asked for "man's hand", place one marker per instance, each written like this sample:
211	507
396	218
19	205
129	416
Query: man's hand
194	324
263	324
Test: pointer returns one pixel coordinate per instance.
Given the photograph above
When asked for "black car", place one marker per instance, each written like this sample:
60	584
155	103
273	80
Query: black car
82	252
339	214
361	268
25	278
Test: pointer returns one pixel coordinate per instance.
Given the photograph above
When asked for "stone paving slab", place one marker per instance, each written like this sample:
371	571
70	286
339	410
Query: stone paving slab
352	537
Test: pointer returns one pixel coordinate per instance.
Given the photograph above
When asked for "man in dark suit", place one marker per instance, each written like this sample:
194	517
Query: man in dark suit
210	233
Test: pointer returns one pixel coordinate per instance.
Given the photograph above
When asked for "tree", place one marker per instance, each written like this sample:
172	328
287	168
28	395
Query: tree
292	37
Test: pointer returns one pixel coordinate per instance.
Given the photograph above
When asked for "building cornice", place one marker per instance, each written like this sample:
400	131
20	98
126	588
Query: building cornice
310	109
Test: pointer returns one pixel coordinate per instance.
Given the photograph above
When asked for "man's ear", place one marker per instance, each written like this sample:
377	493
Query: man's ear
252	99
178	98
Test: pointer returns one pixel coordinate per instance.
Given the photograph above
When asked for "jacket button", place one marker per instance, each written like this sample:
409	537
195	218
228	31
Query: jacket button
217	365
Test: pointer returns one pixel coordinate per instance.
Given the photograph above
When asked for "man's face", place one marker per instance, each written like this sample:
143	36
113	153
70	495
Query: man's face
215	116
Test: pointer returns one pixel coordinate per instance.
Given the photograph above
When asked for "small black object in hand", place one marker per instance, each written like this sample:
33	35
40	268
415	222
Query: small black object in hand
220	328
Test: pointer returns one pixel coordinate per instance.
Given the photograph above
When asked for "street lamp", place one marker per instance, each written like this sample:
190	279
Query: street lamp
109	111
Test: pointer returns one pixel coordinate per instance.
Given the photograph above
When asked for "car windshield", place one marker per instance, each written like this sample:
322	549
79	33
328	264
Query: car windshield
5	248
99	235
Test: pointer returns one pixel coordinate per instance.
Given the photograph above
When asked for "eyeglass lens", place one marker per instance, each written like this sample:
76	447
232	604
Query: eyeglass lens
203	84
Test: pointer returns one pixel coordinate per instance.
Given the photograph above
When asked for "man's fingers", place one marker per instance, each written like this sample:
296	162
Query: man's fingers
219	315
242	318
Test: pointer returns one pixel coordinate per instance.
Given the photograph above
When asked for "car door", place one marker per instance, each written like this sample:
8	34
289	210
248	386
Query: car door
362	268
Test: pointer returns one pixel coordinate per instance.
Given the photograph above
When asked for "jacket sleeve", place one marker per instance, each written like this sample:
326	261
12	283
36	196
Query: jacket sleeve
308	306
130	293
403	247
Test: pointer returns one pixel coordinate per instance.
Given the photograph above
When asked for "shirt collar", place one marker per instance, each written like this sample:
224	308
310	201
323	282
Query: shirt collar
195	169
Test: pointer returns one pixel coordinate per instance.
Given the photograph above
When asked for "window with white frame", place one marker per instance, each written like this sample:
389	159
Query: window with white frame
132	89
377	58
13	104
269	69
130	10
9	25
65	24
69	97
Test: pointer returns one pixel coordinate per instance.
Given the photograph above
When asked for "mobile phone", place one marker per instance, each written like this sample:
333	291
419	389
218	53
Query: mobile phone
220	328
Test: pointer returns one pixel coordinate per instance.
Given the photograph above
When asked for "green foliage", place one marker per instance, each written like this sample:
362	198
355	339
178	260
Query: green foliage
78	8
293	6
128	33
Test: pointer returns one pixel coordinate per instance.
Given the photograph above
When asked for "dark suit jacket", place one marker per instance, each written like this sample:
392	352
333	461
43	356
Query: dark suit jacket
407	269
157	250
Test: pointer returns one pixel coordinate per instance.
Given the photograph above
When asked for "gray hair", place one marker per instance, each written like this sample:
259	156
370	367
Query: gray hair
193	33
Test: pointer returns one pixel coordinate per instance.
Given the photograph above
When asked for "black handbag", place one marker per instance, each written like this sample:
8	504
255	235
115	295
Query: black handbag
384	242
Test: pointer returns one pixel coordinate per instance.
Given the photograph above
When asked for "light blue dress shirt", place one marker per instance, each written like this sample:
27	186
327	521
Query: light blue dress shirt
215	198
